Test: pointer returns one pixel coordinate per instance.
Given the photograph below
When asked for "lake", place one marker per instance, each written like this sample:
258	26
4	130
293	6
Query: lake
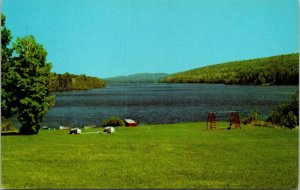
163	103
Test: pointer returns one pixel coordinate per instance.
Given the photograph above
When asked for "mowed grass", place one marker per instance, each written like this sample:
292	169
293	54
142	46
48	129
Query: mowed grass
153	156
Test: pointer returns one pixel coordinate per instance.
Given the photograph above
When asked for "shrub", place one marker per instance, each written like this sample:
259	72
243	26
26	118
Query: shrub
114	121
290	121
7	125
287	113
252	119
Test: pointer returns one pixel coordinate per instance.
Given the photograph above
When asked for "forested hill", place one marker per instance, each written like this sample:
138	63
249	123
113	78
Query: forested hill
67	81
281	69
138	78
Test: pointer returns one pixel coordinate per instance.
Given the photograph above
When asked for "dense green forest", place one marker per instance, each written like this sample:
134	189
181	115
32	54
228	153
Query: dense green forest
137	78
67	81
282	69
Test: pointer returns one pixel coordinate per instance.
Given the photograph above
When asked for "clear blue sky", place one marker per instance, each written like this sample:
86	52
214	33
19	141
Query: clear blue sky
107	38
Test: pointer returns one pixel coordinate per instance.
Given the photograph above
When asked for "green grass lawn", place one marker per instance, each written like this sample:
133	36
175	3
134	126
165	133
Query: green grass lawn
153	156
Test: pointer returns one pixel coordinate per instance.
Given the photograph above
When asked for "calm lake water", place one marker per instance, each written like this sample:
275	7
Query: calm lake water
163	103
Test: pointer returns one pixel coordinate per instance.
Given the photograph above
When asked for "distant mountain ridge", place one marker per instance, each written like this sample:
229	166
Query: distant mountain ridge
281	69
138	78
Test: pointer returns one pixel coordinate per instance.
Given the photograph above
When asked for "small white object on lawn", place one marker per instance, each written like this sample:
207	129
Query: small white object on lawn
109	129
75	131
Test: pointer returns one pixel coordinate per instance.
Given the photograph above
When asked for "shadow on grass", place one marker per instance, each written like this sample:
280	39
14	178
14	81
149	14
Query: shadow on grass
16	133
13	133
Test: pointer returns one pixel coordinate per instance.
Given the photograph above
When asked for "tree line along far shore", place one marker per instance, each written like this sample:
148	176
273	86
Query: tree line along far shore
67	81
275	70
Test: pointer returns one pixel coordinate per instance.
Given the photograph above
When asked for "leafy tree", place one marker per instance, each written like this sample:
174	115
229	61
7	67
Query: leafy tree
5	41
28	80
6	54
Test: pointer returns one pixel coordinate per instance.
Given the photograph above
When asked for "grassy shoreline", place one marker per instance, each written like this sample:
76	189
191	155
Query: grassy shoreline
183	155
